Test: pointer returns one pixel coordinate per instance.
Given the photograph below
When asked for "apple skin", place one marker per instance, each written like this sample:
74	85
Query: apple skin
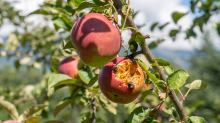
110	86
96	39
69	66
10	121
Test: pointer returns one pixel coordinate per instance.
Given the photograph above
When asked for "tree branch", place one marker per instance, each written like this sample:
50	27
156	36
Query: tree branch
149	56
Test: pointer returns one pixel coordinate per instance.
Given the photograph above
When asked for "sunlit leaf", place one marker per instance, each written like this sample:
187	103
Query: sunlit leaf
93	80
137	37
84	5
146	93
60	79
94	90
54	63
54	121
138	114
61	105
85	74
161	27
176	16
108	106
142	64
177	79
59	22
100	2
153	26
196	84
196	119
30	111
33	119
9	108
155	43
68	45
46	10
169	69
161	62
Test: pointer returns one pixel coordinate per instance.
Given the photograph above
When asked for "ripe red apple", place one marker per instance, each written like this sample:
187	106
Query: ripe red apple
10	121
96	39
68	66
121	80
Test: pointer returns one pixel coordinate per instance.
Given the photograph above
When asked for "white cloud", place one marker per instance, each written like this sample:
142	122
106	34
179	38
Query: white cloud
161	11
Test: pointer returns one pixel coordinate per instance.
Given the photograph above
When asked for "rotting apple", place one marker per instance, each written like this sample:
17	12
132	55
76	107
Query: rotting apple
68	66
121	80
96	39
10	121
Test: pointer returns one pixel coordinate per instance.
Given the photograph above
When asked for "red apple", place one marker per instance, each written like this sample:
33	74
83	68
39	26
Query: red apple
96	39
10	121
121	80
68	66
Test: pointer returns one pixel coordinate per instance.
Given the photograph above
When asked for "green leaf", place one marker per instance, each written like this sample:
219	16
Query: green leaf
85	74
54	121
33	119
161	27
155	43
46	10
93	81
94	90
60	79
100	2
9	108
80	64
54	64
148	120
142	64
169	69
138	114
68	20
108	106
76	3
146	93
173	33
137	37
168	111
196	119
61	105
133	47
152	76
176	16
153	26
17	64
84	5
68	45
196	84
190	33
59	22
218	28
161	62
177	79
30	111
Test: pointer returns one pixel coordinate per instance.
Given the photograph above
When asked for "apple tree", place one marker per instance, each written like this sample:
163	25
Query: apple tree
90	31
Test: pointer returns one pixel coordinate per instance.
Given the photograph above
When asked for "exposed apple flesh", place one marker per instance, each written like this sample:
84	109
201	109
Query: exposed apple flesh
121	80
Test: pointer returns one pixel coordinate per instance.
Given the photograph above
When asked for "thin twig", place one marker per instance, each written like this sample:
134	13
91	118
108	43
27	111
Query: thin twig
131	56
146	51
147	36
93	110
183	98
